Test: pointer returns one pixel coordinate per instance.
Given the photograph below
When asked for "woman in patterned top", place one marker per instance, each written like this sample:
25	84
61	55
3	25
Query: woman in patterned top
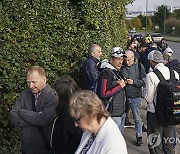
101	134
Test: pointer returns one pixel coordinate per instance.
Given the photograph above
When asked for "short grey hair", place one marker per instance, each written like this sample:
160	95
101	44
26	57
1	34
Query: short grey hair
129	53
93	47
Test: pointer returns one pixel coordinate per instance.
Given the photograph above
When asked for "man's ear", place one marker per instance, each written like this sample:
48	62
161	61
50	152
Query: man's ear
110	60
45	79
92	53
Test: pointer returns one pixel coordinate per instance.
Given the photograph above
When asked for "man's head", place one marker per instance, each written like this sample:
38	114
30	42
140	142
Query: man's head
155	57
95	51
154	45
36	79
143	46
168	54
116	57
133	47
129	57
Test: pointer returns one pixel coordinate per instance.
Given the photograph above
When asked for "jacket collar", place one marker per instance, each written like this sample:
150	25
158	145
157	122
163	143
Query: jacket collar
93	58
159	65
99	138
45	90
106	64
104	130
172	63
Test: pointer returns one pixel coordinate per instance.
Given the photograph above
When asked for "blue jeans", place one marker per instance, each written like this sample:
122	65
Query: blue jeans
135	105
120	121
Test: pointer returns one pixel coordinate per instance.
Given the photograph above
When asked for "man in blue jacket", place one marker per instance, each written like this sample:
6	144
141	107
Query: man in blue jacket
90	71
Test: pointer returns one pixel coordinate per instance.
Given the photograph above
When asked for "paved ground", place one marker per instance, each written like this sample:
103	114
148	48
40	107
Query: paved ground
175	46
178	146
175	39
129	136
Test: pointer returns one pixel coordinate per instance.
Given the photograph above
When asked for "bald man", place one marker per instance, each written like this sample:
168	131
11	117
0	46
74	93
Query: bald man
134	73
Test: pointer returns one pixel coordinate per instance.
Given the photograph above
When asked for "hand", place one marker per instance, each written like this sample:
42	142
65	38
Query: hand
130	81
122	83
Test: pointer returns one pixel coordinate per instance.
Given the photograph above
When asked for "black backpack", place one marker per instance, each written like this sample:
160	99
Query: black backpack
167	106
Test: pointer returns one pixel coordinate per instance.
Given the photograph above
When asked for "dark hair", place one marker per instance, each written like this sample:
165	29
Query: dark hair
64	87
142	45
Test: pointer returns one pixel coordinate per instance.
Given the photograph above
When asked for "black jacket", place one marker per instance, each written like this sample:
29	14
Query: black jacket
174	65
90	72
65	137
108	87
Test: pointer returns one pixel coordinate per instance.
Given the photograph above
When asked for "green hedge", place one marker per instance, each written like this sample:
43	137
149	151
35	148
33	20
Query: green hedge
54	34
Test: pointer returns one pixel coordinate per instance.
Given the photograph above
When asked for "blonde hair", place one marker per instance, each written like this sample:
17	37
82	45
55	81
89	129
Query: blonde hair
39	69
88	104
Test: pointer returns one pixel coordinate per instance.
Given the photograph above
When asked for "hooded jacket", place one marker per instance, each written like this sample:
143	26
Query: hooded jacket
174	65
108	87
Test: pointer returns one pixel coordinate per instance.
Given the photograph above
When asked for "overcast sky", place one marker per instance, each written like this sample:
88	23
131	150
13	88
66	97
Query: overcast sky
140	5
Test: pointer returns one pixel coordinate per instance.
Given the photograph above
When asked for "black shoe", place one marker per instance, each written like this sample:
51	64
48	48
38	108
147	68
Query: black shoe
144	129
129	124
139	141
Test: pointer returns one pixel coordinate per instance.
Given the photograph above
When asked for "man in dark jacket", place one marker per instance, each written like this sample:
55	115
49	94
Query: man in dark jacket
90	71
34	112
143	52
134	73
111	87
172	64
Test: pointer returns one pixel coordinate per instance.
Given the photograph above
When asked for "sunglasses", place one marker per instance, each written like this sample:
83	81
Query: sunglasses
77	120
116	53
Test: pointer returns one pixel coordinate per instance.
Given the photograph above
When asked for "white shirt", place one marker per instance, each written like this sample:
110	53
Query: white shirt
151	85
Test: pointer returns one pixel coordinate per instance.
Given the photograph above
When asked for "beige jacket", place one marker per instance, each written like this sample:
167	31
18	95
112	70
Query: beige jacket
151	85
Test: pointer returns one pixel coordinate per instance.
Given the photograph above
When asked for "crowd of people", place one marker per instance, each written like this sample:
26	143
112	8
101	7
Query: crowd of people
126	77
65	119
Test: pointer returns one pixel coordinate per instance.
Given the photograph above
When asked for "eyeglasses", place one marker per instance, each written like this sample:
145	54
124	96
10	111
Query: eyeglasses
77	120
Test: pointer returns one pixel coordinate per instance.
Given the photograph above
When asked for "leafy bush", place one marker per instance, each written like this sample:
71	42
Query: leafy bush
55	35
10	144
173	22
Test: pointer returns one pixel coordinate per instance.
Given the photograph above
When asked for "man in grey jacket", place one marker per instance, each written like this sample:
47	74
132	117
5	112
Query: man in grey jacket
134	74
33	113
